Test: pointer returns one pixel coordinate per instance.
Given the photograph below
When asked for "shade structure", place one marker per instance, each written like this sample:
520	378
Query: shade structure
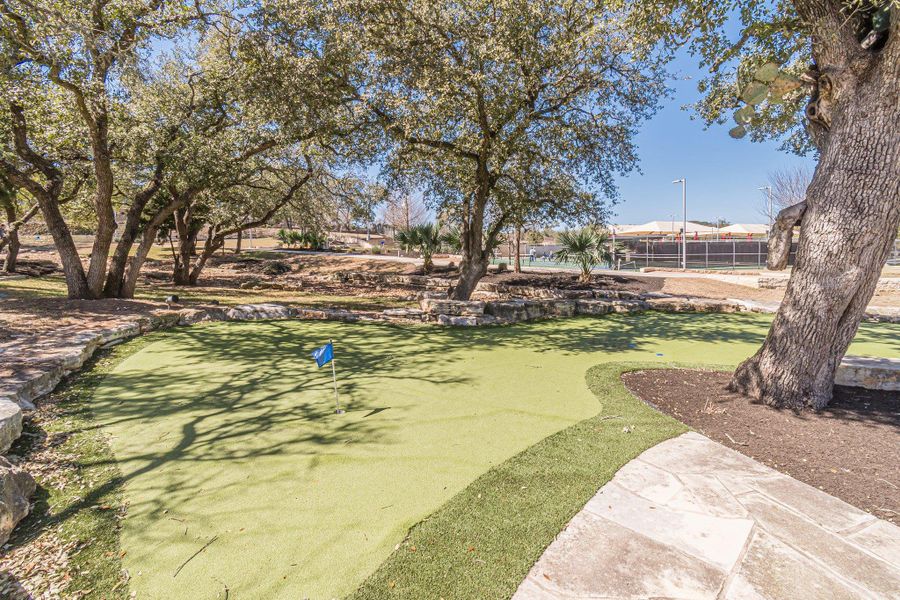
746	229
664	228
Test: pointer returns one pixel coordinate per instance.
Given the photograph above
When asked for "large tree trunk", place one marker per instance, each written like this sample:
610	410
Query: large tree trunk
12	251
214	241
187	241
847	231
517	263
148	236
475	248
182	270
73	270
103	192
471	270
115	276
48	198
133	268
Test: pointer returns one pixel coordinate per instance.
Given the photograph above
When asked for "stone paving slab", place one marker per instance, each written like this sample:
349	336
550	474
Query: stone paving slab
692	519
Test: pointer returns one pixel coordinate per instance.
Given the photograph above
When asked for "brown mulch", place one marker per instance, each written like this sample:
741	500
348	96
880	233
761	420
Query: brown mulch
571	282
36	563
850	450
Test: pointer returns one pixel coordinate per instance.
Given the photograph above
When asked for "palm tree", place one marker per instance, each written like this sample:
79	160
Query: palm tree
425	239
586	247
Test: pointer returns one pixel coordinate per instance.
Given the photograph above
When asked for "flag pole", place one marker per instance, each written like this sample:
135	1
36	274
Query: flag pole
337	402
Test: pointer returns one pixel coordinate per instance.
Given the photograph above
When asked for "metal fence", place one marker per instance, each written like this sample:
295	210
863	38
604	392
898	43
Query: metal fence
701	254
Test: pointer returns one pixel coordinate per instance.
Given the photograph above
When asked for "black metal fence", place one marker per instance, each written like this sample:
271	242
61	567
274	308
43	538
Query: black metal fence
701	254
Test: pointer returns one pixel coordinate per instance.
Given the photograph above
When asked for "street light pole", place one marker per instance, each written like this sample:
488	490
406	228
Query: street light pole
683	183
768	190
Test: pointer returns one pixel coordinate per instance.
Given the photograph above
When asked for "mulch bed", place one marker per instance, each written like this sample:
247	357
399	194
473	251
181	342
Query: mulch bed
850	450
571	282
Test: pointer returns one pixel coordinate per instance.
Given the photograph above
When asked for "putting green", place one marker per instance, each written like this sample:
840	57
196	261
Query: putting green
227	441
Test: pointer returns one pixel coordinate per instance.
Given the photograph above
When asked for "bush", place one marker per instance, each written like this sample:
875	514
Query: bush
276	267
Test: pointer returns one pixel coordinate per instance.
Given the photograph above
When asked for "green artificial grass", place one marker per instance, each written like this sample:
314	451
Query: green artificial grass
239	478
483	542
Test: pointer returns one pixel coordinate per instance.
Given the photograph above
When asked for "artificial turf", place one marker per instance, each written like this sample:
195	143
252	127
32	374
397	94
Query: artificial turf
239	477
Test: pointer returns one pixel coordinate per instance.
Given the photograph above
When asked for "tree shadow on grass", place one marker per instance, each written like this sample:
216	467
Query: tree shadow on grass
234	384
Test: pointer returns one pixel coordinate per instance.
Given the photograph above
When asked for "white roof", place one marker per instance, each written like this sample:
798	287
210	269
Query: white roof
745	228
664	228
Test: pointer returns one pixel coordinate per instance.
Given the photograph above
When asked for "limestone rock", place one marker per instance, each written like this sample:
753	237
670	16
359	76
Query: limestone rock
437	306
676	305
457	321
593	307
10	423
16	486
870	373
253	312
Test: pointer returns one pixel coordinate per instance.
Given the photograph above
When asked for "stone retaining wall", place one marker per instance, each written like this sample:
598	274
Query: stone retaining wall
871	373
415	281
474	313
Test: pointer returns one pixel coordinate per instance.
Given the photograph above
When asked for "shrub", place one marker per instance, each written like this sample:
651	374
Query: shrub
276	267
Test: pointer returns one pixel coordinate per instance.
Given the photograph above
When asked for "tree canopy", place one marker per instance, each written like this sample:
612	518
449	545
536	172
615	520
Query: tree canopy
503	108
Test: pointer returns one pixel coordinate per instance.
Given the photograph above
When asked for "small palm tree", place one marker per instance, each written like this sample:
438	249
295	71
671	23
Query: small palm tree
453	239
425	239
585	247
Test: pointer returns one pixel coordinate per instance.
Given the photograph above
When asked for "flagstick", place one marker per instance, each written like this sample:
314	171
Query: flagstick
337	402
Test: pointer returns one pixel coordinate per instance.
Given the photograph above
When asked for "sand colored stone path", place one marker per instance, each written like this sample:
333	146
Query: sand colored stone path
690	518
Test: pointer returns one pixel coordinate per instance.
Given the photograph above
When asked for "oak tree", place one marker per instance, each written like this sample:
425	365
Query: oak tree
822	75
469	91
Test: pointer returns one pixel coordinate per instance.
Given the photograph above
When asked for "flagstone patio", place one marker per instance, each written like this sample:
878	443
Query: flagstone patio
690	518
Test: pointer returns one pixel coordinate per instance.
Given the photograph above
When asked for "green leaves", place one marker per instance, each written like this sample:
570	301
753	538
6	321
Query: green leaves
585	247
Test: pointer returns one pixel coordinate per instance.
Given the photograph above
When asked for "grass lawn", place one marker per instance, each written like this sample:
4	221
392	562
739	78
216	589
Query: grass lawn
226	441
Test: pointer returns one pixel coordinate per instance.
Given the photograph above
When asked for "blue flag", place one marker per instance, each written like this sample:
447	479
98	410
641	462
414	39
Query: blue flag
324	355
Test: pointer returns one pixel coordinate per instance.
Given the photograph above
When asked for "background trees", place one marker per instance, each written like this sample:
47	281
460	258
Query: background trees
788	187
217	129
81	54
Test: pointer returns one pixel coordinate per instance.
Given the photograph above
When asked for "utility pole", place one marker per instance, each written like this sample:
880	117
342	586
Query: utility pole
768	190
683	183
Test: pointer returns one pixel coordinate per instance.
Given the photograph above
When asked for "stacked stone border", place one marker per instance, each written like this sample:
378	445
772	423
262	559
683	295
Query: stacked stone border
32	378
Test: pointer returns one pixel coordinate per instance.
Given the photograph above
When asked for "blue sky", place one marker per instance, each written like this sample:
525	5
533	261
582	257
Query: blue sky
722	173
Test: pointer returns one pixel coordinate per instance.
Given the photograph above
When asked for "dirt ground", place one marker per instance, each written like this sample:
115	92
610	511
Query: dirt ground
849	450
720	290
